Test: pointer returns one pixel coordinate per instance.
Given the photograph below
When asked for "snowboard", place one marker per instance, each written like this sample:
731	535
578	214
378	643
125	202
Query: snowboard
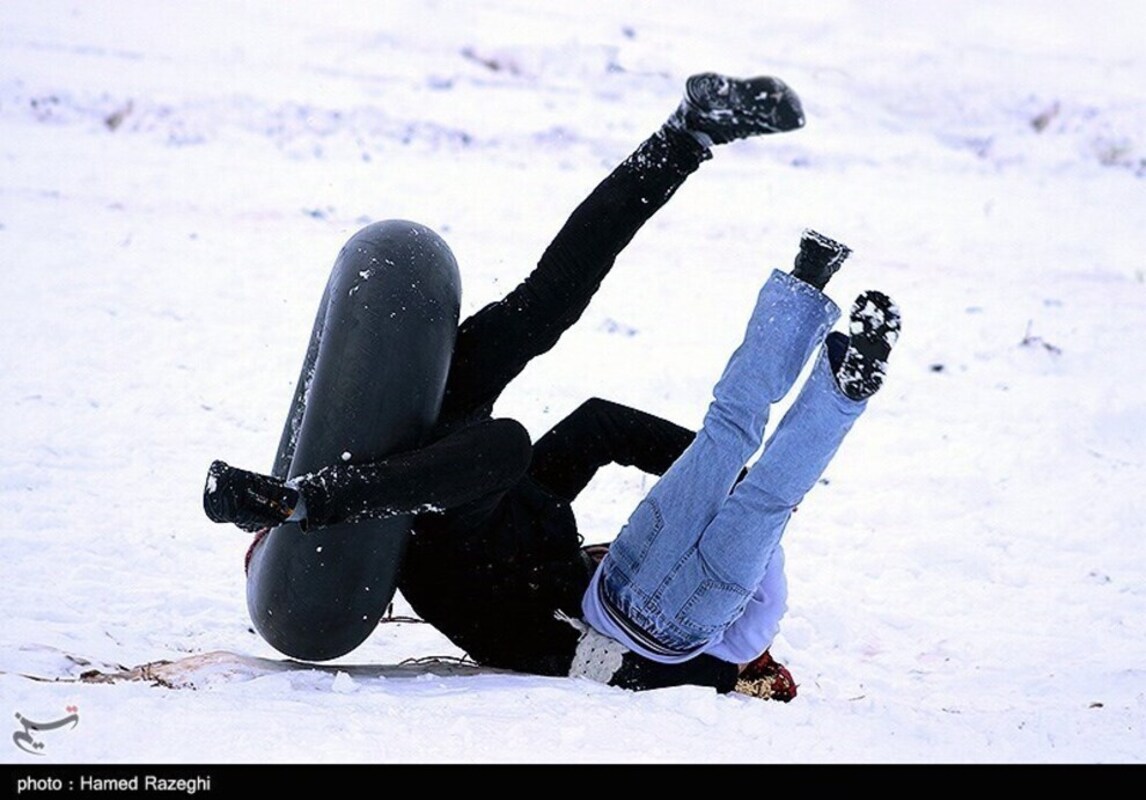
201	670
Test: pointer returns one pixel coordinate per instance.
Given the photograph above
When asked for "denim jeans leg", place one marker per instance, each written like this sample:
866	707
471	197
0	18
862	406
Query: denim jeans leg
737	545
789	320
715	579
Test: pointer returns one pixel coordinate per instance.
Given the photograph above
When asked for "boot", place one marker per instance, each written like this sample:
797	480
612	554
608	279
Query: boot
819	258
247	499
873	331
718	109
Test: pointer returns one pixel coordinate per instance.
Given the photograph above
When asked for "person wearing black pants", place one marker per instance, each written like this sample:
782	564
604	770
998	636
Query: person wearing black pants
494	557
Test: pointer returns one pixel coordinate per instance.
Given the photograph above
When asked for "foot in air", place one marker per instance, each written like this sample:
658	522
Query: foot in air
873	330
718	109
247	499
819	258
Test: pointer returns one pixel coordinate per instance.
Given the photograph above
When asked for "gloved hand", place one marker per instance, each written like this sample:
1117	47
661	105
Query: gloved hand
767	679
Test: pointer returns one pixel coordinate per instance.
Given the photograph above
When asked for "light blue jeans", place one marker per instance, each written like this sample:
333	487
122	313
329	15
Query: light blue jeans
683	568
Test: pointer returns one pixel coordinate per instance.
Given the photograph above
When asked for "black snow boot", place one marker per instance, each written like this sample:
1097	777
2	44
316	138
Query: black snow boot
718	109
819	258
873	331
247	499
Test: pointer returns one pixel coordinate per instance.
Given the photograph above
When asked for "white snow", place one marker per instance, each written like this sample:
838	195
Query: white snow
967	585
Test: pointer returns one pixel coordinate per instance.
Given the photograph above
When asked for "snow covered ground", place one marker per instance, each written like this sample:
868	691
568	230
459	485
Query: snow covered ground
968	586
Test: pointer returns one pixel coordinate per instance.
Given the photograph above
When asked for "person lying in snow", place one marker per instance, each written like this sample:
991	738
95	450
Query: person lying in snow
692	589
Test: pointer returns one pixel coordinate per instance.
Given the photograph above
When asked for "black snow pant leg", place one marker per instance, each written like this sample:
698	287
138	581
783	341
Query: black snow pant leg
496	343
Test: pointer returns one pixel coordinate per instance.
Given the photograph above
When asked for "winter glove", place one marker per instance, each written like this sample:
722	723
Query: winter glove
767	679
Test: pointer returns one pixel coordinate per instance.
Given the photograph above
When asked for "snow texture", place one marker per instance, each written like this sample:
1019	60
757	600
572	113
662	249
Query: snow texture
177	178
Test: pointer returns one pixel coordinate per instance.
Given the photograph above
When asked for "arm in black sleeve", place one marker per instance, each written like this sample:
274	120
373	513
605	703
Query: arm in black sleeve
473	462
601	432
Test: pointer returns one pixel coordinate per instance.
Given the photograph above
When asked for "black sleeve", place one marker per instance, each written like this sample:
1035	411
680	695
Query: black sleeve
601	432
479	460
